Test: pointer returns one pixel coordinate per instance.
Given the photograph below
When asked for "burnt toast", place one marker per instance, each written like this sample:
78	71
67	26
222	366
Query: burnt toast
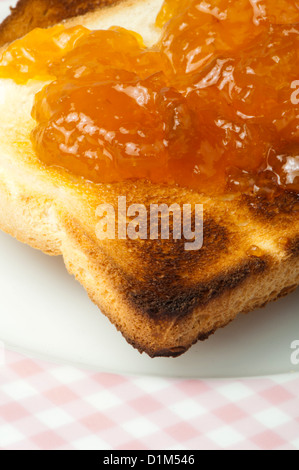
161	297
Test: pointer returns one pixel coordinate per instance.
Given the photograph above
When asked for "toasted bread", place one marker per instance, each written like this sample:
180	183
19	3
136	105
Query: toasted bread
30	14
161	297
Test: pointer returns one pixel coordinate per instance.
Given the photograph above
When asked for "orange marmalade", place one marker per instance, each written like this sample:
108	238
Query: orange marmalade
214	106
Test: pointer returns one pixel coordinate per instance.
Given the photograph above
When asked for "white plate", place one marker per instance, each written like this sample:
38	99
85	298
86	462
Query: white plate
4	7
46	314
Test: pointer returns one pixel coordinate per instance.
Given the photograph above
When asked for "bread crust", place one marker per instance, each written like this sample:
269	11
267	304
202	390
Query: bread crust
161	297
30	14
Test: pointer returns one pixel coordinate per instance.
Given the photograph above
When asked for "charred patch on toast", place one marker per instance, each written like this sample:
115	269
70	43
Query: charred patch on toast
171	257
270	208
30	14
167	289
292	247
163	288
174	352
163	285
167	299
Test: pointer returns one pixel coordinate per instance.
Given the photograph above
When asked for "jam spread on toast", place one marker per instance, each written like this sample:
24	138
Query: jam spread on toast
214	106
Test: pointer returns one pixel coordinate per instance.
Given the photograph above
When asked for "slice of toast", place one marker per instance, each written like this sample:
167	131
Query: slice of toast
160	296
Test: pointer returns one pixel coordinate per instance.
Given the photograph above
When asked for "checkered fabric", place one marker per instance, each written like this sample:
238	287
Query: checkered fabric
47	406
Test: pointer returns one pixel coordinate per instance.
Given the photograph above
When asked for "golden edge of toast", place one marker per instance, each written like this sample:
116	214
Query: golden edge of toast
161	297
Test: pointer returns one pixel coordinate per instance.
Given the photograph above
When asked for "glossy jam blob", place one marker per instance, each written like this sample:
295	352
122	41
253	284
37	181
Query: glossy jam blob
113	49
214	106
31	56
113	126
202	30
244	105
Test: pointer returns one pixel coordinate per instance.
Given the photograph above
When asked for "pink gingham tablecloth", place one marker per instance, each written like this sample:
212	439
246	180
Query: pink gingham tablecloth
50	406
